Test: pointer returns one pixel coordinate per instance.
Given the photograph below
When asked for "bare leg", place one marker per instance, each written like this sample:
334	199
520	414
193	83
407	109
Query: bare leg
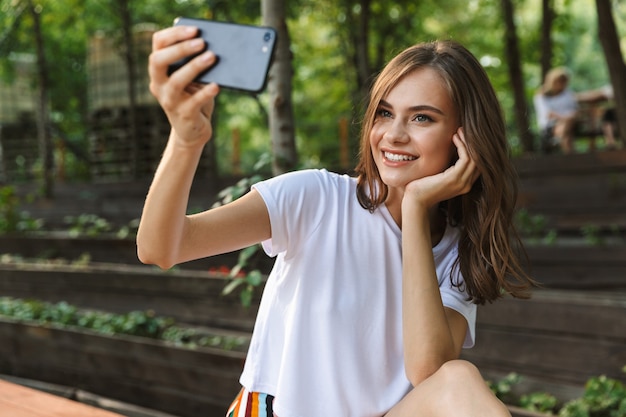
456	389
609	135
564	129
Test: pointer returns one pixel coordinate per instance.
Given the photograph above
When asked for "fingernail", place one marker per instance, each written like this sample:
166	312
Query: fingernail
207	56
196	43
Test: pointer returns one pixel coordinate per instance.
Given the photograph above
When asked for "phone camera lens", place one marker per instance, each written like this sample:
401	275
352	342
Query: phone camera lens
267	37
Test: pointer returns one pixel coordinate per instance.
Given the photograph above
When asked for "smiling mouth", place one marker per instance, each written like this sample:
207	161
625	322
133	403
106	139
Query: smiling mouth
394	157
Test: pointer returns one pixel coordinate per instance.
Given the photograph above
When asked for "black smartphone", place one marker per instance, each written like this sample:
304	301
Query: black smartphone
244	53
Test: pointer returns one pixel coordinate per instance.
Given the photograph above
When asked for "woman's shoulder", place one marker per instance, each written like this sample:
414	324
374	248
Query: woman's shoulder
321	178
321	173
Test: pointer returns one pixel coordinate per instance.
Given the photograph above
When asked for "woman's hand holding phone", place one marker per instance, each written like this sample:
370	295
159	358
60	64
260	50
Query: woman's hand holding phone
188	105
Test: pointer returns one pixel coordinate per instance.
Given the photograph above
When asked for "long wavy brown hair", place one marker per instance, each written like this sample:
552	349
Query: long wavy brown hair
490	250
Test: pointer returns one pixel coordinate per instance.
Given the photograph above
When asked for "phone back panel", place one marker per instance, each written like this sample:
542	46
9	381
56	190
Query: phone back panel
244	53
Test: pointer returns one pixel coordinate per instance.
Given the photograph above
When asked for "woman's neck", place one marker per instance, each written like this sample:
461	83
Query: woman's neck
436	218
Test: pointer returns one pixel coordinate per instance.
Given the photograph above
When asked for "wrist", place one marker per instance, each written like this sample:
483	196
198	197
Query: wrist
178	144
181	153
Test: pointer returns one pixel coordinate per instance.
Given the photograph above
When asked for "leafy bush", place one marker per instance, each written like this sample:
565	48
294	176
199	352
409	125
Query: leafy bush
603	397
539	402
502	388
86	224
11	218
249	280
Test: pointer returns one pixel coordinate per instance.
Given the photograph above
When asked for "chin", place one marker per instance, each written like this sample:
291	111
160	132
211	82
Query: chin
396	182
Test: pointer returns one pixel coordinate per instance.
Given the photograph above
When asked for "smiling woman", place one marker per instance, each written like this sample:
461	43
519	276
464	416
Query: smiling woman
395	259
412	132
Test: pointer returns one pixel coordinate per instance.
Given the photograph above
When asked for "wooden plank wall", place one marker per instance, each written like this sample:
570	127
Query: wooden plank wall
573	191
183	382
557	336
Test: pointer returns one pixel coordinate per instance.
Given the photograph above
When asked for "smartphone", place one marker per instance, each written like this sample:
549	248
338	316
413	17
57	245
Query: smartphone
244	53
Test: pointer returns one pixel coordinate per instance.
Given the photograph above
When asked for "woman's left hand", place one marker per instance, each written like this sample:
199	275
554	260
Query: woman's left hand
454	181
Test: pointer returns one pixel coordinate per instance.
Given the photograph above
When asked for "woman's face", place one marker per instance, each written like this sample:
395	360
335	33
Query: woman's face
559	85
412	133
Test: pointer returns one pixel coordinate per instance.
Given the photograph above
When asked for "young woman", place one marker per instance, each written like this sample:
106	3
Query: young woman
374	290
557	109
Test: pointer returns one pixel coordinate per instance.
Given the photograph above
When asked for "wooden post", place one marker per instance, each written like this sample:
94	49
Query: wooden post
344	152
62	157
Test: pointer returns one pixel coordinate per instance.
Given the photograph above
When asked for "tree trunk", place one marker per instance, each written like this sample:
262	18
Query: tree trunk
131	69
281	119
43	133
3	173
516	76
614	60
546	40
361	42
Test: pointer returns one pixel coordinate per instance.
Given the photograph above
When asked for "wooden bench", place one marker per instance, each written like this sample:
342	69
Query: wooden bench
592	105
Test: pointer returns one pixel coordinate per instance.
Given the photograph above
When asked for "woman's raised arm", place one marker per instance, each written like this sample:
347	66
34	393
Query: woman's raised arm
166	235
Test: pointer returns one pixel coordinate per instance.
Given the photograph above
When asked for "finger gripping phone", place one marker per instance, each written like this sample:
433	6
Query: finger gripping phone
244	53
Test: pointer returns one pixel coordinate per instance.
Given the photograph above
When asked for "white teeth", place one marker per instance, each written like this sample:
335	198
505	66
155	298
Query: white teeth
396	157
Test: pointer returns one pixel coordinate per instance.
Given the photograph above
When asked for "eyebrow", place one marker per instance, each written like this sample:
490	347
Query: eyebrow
420	107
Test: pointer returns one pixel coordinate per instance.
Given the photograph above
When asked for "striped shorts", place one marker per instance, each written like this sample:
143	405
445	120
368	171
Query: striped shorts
251	404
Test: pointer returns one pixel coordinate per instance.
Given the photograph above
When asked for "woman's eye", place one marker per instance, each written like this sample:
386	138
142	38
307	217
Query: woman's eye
383	113
422	118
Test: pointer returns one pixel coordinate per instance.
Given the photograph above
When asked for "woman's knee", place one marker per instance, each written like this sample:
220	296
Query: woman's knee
463	389
459	371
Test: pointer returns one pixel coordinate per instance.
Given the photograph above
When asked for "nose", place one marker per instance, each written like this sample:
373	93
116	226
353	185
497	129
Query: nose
397	132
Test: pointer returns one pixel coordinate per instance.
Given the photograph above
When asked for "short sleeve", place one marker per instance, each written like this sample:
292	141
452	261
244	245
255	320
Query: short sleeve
295	207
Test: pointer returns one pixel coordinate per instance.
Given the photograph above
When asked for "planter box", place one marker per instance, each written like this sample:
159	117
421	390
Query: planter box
563	336
183	382
106	249
191	297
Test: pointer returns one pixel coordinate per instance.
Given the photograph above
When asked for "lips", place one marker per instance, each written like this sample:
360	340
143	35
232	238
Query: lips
397	157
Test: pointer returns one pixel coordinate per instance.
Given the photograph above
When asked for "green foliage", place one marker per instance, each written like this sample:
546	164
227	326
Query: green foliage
87	225
92	225
230	194
129	230
592	234
603	397
539	402
324	37
529	224
12	219
248	281
503	387
191	338
534	226
135	323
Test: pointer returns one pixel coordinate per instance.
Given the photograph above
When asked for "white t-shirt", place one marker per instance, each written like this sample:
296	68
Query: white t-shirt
563	104
328	335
